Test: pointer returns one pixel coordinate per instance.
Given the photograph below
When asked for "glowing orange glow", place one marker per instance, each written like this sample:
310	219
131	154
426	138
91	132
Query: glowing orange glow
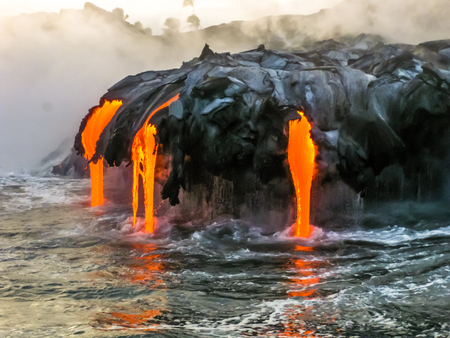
294	327
305	274
301	285
144	158
144	151
303	248
304	293
301	154
304	269
145	268
98	120
135	321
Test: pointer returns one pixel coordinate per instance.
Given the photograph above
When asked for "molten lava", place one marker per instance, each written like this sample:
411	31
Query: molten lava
301	154
144	151
96	122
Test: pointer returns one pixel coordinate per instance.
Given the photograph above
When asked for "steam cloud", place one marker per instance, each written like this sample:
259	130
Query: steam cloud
55	66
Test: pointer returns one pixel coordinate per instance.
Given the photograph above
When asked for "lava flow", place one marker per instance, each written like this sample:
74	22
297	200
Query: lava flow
98	120
301	154
144	151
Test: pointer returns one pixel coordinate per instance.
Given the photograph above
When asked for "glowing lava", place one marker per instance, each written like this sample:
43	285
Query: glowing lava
144	151
301	154
96	122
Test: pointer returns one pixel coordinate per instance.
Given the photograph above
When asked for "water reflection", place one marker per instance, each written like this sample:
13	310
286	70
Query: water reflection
144	268
302	285
141	322
305	271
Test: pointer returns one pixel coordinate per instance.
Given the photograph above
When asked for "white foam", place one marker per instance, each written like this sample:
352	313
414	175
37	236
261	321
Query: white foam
26	192
392	236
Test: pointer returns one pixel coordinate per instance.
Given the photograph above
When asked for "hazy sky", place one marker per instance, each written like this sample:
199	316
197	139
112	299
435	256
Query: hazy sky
152	13
50	75
49	80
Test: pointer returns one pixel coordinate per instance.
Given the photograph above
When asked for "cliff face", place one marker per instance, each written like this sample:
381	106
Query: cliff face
374	108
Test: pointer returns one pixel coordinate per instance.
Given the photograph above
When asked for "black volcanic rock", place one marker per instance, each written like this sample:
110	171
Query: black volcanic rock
370	108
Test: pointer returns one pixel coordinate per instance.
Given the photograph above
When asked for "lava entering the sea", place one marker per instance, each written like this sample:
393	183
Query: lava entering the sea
301	154
226	136
144	152
95	124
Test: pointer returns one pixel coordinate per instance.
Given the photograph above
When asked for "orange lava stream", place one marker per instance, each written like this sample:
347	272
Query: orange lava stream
143	155
89	137
301	154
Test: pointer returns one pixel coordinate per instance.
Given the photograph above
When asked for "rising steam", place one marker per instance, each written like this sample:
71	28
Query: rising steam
54	66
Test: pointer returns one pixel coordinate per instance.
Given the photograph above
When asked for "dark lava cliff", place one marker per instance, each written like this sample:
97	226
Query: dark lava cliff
380	116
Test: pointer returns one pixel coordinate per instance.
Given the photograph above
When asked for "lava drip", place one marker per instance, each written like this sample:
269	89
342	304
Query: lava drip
301	154
95	124
143	155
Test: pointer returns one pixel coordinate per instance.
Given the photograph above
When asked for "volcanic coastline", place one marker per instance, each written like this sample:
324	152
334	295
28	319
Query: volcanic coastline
379	115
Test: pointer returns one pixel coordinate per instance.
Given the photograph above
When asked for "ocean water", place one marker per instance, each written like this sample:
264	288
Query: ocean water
70	270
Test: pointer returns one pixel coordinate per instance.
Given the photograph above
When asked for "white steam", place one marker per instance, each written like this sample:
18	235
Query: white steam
54	67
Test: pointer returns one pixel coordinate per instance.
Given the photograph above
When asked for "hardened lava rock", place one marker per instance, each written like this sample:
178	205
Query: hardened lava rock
371	105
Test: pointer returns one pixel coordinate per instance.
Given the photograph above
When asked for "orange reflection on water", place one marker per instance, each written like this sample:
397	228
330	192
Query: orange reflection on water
131	321
145	268
303	248
295	327
301	285
301	154
305	272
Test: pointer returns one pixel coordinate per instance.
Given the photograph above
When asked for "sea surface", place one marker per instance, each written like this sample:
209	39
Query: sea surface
70	270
